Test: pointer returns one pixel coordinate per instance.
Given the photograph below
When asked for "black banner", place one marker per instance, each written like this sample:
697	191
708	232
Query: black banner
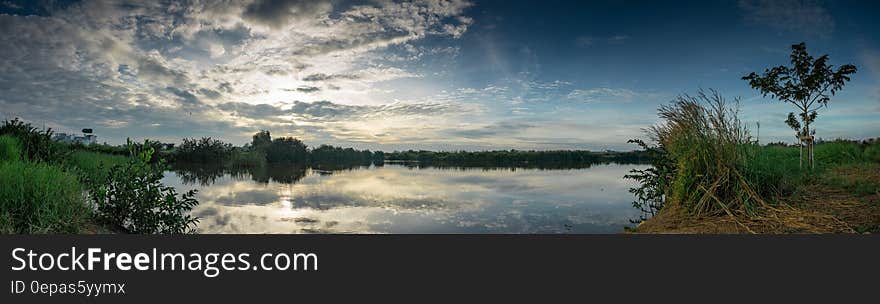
418	268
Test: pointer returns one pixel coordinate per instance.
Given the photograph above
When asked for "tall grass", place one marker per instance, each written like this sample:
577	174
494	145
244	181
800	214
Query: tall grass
10	149
93	166
711	166
872	152
710	149
39	198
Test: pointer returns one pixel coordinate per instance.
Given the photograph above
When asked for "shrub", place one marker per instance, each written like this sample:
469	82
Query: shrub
10	149
39	198
203	150
132	197
36	145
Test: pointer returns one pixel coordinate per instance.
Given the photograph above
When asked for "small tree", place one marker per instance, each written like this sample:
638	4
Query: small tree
806	85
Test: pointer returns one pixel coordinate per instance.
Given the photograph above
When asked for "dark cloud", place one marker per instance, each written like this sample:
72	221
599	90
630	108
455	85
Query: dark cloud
307	89
209	93
494	130
186	96
324	77
278	13
326	110
152	69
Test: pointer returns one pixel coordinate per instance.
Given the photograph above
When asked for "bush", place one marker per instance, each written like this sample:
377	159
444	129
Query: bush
10	149
38	198
287	149
132	197
203	150
36	145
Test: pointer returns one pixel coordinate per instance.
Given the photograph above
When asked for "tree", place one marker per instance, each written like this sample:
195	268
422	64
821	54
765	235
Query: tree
261	140
806	85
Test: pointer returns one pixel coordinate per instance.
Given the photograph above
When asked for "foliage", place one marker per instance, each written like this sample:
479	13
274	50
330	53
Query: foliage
707	145
261	140
872	152
287	149
133	198
203	150
517	158
40	198
93	166
326	154
653	181
806	85
36	145
10	149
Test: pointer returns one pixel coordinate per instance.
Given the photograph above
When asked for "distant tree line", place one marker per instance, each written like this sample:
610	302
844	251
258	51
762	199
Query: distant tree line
263	148
517	158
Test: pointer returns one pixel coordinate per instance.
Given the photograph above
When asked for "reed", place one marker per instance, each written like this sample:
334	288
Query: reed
710	150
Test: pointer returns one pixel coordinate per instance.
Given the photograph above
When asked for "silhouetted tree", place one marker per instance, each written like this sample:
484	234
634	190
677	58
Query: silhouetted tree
287	149
261	140
806	85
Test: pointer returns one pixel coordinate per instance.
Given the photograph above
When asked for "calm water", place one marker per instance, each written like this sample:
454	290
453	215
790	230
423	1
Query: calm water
399	199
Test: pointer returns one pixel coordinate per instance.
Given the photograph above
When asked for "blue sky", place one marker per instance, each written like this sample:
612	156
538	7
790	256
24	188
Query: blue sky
442	75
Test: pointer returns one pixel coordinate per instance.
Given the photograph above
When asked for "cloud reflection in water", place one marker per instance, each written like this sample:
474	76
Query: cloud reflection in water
397	199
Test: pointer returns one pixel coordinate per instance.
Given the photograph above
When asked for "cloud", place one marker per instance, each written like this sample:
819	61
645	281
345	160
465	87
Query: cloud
602	95
505	129
308	89
170	70
800	16
325	77
278	13
330	111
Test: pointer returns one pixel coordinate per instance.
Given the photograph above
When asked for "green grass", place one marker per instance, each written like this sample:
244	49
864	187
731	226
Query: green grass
711	153
40	198
858	179
93	166
773	171
872	152
10	148
838	152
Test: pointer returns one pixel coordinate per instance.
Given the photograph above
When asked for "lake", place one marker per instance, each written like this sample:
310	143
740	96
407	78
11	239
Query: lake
396	198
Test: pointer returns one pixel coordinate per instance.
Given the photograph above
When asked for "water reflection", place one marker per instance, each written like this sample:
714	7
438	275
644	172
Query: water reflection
397	198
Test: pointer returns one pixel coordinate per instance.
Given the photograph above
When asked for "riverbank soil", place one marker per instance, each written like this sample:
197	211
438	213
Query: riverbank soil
844	199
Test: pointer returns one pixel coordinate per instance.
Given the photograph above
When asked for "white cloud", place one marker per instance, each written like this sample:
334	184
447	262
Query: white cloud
603	95
171	65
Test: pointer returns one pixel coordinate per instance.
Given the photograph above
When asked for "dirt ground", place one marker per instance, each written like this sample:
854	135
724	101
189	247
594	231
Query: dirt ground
844	200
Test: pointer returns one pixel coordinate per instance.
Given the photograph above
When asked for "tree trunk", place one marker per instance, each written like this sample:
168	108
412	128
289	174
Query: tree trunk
809	138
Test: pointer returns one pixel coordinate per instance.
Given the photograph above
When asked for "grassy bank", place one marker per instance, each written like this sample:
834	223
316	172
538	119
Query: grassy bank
51	187
714	178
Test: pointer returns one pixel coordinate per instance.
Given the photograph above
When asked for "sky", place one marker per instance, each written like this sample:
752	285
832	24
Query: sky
438	75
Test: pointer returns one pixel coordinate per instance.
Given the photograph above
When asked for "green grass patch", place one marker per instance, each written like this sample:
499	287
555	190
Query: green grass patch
94	166
859	179
10	149
39	198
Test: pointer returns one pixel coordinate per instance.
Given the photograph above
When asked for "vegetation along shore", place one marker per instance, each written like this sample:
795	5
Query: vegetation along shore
709	175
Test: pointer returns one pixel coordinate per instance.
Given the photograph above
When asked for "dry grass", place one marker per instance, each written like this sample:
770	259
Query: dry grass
824	206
